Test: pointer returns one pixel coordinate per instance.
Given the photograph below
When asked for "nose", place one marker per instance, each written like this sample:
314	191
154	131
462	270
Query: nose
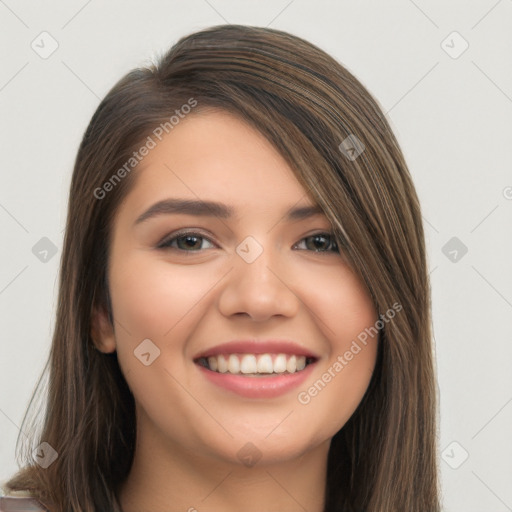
258	289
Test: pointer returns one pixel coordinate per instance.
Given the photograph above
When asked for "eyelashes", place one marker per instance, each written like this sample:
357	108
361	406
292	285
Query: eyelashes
189	237
325	237
192	241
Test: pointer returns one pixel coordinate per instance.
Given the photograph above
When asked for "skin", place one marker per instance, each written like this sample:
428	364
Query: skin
188	430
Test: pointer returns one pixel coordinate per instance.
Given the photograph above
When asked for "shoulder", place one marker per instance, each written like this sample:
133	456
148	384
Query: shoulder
18	500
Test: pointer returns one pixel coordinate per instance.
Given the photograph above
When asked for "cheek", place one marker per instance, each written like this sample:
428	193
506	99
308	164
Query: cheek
153	301
162	303
345	313
341	305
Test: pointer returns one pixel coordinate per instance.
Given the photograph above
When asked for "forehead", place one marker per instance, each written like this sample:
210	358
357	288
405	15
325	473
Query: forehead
216	155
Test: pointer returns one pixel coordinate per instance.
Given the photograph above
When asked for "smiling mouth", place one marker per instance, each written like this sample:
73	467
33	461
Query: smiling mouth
256	365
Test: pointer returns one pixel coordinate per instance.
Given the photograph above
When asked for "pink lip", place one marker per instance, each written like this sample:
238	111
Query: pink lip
258	387
258	347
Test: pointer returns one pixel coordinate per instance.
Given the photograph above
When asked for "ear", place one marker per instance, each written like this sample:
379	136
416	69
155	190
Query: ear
102	330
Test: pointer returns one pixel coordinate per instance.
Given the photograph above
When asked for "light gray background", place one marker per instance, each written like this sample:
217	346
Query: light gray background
451	116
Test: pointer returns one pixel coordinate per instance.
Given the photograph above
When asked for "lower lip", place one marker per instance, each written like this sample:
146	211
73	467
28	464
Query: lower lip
258	387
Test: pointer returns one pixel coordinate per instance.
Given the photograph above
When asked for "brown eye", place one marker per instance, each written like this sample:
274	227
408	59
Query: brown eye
188	242
321	242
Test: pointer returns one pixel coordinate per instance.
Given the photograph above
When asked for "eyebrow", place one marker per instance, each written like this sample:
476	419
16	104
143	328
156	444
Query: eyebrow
214	209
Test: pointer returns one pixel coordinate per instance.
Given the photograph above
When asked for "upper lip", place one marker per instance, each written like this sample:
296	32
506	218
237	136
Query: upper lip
253	346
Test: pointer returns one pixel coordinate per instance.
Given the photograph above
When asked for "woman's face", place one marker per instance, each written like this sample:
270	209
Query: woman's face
185	282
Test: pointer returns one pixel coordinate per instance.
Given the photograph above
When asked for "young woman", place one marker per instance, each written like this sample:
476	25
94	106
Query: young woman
244	305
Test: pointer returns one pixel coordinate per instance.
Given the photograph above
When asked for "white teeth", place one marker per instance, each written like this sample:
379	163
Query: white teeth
265	364
233	364
248	364
222	364
212	362
280	364
256	364
291	364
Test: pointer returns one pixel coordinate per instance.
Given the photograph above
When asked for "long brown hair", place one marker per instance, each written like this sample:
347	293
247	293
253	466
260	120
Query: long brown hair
308	106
